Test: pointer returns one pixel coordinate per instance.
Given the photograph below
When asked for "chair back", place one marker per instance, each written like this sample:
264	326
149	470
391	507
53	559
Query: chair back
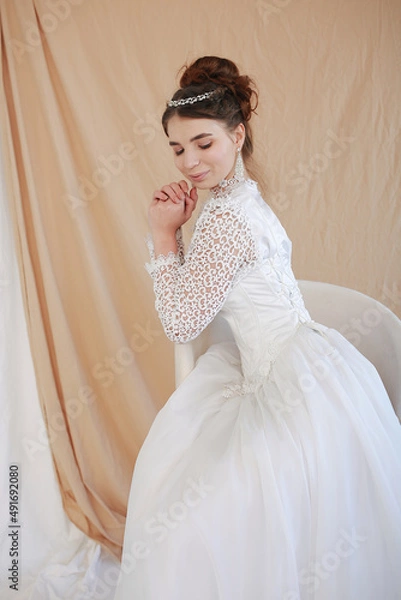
369	325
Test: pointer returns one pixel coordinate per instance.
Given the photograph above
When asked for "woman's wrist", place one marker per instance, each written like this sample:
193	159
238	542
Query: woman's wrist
164	242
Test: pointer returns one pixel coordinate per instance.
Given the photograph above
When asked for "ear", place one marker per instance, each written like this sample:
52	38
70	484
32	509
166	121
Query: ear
239	133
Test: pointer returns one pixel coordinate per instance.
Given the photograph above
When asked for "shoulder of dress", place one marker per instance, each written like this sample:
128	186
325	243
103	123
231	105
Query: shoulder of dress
234	201
233	195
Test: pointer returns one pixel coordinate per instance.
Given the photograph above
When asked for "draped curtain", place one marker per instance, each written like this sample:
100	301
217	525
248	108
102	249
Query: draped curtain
83	86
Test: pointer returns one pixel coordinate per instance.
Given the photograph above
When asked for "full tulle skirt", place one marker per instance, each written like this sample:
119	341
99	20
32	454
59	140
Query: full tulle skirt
286	489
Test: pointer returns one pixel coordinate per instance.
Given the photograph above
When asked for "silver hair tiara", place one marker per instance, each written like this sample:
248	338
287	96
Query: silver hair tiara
192	99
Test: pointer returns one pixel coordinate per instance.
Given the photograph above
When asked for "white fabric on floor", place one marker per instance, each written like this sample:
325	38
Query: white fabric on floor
56	561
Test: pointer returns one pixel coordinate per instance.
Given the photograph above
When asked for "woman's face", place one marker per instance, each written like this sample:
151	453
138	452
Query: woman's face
204	148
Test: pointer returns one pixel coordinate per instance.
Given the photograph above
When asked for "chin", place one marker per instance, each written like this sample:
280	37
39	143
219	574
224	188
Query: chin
208	183
204	185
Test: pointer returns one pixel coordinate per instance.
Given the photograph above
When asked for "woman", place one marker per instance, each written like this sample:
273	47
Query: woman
273	471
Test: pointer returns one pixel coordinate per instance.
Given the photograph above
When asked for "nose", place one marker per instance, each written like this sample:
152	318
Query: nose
191	159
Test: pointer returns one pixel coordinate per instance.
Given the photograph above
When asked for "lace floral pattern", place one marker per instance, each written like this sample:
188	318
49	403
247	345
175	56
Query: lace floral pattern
191	288
180	246
251	384
227	186
170	259
222	250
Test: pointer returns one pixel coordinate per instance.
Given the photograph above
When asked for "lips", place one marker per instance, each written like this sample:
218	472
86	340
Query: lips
199	176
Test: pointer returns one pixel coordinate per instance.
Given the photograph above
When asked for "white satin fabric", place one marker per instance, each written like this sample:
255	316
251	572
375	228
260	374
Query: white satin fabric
369	325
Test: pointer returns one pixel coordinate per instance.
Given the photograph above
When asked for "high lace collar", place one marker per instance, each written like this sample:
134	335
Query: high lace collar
226	187
222	192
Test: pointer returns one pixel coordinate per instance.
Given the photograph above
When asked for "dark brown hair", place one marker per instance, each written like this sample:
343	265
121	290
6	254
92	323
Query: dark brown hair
235	102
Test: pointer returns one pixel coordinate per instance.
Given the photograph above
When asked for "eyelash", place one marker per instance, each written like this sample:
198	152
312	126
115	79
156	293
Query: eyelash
202	147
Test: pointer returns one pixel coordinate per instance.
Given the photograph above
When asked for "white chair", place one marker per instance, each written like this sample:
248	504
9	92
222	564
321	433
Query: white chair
370	326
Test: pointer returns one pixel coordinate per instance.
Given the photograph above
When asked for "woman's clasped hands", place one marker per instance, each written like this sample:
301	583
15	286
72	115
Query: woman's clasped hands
171	207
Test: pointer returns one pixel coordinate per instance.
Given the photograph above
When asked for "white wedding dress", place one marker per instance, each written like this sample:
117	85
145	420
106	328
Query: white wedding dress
273	472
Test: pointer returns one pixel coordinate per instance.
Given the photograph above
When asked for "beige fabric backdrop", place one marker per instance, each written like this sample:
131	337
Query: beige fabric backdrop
83	86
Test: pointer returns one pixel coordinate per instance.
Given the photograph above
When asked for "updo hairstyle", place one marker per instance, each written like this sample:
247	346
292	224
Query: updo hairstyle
233	104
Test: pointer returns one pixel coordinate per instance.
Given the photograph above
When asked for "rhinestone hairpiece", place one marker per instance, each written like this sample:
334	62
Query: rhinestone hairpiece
192	99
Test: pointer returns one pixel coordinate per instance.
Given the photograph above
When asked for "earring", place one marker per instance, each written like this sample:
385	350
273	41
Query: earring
239	167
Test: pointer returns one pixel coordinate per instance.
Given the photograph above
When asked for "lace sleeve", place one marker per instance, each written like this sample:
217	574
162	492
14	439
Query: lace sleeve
189	295
180	245
180	256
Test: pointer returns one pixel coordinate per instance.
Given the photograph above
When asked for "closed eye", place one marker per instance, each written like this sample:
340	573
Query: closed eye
202	147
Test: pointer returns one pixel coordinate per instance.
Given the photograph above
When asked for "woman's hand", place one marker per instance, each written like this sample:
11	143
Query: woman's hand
171	207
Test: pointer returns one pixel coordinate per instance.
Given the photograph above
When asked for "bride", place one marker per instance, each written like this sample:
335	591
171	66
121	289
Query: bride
273	472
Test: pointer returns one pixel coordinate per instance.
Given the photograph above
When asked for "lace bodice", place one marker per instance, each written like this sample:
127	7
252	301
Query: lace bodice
236	235
190	291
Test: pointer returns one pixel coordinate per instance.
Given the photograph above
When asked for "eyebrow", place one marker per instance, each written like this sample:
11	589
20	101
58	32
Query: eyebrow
197	137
